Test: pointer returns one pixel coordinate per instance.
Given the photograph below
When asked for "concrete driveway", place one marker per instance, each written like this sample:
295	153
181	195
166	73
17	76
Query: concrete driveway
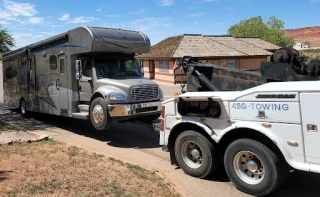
137	144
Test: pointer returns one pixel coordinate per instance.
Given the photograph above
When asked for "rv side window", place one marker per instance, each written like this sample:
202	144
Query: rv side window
53	62
62	66
87	68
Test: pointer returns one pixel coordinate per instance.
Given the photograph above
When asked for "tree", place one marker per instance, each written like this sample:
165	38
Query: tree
6	40
269	30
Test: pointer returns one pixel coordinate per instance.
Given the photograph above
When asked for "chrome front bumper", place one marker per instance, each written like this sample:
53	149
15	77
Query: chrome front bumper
121	110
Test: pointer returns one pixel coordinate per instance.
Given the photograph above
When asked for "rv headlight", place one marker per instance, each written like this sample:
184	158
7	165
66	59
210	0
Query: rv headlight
114	96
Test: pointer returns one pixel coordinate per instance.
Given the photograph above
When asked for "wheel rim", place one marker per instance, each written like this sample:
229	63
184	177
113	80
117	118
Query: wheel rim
97	114
23	107
191	154
249	167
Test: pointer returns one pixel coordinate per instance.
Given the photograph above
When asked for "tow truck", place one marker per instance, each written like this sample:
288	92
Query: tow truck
257	134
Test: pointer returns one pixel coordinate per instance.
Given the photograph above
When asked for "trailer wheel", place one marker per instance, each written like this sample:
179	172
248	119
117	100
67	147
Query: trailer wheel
195	154
99	115
23	110
254	168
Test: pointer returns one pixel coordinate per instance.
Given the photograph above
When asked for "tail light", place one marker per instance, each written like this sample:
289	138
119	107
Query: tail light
163	110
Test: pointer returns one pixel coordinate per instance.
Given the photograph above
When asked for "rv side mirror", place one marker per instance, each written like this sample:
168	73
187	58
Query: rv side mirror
79	69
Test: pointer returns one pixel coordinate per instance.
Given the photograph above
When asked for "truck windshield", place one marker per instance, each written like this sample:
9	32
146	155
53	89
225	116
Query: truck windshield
109	68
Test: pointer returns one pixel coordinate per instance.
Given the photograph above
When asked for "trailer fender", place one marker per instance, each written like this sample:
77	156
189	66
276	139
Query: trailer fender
269	134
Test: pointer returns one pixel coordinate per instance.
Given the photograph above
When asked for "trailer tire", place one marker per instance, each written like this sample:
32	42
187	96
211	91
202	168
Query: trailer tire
253	167
22	107
195	154
99	116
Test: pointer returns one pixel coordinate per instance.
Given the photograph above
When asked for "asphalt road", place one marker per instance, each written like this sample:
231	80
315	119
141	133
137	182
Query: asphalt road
140	145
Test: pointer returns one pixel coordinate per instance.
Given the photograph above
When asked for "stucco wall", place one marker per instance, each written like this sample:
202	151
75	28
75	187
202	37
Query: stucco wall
216	62
250	63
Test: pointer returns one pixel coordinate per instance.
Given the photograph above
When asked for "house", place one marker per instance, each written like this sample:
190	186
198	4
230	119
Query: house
240	53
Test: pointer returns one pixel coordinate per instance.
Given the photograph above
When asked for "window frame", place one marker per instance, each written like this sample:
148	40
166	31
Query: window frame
161	67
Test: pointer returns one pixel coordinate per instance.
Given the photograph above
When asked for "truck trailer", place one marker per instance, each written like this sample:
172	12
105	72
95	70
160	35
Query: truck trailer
86	73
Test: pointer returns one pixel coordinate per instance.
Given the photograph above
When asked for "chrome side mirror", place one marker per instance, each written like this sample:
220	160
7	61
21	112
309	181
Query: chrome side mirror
79	69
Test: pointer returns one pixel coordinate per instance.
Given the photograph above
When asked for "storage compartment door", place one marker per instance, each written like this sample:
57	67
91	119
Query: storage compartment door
310	108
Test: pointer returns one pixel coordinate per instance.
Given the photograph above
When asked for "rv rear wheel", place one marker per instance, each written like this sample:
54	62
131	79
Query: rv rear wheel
195	154
99	115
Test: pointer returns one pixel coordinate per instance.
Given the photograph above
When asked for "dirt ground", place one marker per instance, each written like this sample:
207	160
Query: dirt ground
49	168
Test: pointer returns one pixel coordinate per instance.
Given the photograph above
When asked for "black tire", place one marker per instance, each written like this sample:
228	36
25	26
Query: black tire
105	122
22	107
273	169
210	158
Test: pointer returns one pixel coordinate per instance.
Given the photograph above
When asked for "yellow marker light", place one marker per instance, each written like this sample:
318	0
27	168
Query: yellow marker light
176	94
266	125
231	121
293	143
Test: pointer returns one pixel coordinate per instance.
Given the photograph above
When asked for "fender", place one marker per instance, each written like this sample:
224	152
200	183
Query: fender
200	124
268	133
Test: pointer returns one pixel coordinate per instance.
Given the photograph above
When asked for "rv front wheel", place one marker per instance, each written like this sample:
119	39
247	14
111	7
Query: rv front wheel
99	116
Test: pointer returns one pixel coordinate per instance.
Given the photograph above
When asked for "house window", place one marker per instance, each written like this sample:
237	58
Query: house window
230	63
223	63
164	66
53	62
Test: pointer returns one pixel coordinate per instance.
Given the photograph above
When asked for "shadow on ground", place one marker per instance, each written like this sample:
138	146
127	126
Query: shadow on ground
122	135
4	175
300	184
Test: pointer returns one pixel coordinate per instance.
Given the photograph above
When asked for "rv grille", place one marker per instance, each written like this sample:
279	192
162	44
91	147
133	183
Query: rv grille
145	93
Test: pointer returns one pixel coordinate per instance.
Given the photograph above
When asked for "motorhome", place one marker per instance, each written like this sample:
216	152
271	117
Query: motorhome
87	73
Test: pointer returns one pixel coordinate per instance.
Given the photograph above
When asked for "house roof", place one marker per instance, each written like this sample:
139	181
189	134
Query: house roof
260	43
165	48
208	46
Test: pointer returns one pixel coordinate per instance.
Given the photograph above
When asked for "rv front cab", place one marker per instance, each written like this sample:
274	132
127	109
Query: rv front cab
79	69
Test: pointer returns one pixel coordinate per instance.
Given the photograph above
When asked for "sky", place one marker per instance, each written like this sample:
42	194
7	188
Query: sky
31	21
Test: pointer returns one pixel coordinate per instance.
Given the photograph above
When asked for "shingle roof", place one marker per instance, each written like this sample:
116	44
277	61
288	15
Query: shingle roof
165	48
260	43
208	46
239	45
199	46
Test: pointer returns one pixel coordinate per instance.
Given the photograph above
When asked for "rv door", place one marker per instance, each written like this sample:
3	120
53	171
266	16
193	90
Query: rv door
85	81
63	84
